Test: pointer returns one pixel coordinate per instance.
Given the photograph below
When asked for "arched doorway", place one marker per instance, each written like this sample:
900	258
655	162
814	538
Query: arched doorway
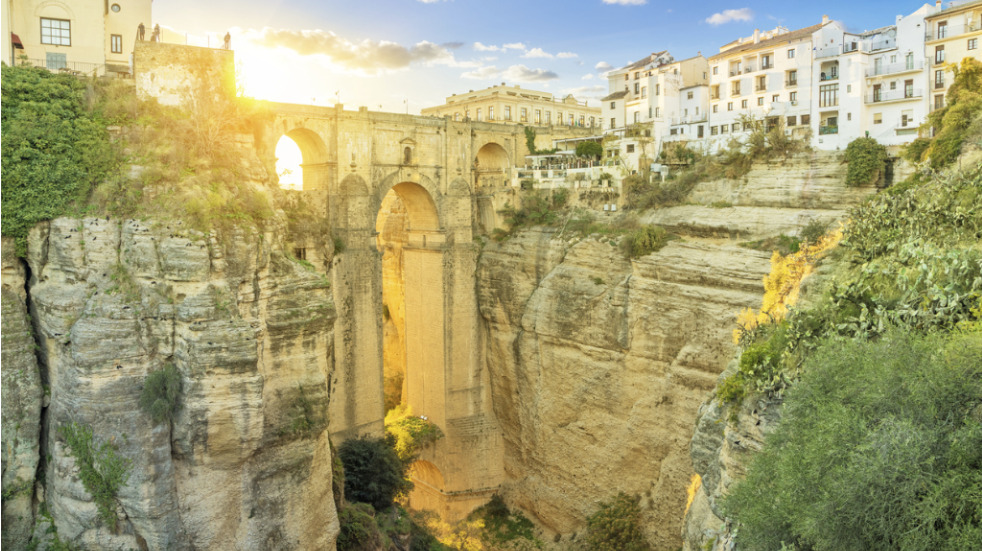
410	240
301	160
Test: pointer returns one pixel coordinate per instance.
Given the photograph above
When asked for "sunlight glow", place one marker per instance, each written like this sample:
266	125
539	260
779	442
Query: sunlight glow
288	160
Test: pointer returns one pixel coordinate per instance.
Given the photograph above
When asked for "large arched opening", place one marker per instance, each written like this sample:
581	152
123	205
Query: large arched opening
409	238
301	160
493	168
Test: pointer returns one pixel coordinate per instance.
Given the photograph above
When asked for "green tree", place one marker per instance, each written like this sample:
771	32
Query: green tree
161	389
373	472
616	526
867	158
589	149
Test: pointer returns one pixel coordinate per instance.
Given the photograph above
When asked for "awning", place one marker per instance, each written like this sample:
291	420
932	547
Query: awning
15	40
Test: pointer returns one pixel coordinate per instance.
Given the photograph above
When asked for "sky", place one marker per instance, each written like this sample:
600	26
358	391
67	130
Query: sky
404	55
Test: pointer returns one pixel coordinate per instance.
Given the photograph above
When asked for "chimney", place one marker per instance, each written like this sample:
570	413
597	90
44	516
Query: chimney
756	36
825	19
937	3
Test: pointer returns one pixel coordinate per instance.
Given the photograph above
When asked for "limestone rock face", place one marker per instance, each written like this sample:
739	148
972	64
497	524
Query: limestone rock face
245	462
21	402
599	364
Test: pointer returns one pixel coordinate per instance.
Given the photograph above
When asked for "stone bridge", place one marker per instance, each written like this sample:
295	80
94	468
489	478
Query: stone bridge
406	195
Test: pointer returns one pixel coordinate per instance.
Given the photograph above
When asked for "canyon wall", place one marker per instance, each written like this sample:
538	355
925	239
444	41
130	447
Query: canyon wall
246	457
599	364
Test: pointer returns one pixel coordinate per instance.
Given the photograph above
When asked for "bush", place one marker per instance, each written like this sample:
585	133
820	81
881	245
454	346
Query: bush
589	149
100	467
410	433
880	448
616	526
359	531
54	149
373	472
867	160
502	526
645	240
159	397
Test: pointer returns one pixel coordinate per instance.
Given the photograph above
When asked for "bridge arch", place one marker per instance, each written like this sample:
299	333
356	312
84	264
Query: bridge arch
314	157
492	166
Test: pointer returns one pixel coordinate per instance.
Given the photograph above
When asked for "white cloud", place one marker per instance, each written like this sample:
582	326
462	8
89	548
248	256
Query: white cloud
566	55
726	16
603	67
485	48
537	52
627	2
484	73
524	74
514	46
367	55
588	76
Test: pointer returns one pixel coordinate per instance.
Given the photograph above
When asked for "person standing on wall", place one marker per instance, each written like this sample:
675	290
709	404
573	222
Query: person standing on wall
228	41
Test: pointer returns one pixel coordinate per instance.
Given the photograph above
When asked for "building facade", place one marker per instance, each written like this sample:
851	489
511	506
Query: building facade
951	34
93	37
516	105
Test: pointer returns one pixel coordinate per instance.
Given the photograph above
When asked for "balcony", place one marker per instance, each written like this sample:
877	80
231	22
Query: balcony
894	68
825	130
952	31
790	83
884	96
939	85
760	88
829	76
70	67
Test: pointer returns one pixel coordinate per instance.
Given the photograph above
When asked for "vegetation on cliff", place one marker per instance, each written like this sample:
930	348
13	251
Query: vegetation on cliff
880	370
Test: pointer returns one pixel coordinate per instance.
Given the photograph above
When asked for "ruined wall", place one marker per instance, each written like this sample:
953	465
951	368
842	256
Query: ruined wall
175	74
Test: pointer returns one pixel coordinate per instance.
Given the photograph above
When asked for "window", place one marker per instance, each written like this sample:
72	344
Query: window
743	104
688	95
729	106
736	127
629	148
658	89
613	104
407	155
877	93
906	118
848	116
491	113
938	79
910	61
456	116
570	119
792	78
723	129
716	109
685	111
591	122
938	55
582	120
644	91
776	98
939	101
715	69
559	117
942	29
613	123
792	120
650	111
507	112
637	87
806	119
701	132
657	111
673	132
56	31
765	62
538	116
893	85
791	53
467	113
713	130
828	95
55	61
735	89
877	118
760	100
525	114
636	74
793	97
893	58
637	116
973	43
478	113
116	43
909	88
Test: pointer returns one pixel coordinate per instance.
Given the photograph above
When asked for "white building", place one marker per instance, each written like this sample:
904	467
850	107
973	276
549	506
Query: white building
764	77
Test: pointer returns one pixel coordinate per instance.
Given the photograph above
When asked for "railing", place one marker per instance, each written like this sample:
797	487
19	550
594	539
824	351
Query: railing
894	68
828	51
893	95
825	130
952	31
735	93
938	85
790	83
760	88
824	77
69	67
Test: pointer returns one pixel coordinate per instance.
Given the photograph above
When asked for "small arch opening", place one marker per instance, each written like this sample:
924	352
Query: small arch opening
289	164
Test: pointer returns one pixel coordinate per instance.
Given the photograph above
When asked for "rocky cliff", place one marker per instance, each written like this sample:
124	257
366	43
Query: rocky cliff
599	364
246	457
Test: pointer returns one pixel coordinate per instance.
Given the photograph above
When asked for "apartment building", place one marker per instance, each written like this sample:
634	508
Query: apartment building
93	37
764	78
870	83
951	34
516	105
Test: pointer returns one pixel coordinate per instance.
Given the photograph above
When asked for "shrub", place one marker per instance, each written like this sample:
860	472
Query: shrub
410	433
502	526
359	531
616	526
867	160
880	448
589	149
161	390
914	152
102	470
645	240
373	472
54	149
